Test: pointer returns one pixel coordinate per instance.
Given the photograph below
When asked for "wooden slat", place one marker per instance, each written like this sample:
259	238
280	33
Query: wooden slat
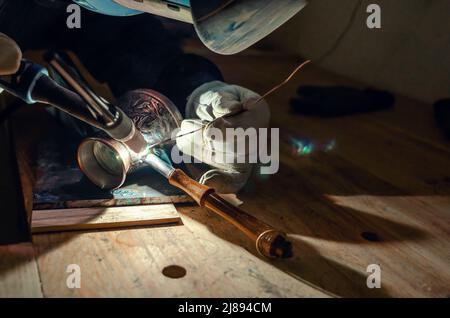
103	218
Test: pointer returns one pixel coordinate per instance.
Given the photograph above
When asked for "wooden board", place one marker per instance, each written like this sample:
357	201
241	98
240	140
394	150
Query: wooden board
103	218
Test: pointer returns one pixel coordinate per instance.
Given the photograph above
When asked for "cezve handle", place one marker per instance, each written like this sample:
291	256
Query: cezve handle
269	241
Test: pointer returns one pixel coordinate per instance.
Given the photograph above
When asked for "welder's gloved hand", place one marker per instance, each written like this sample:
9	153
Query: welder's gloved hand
207	103
10	55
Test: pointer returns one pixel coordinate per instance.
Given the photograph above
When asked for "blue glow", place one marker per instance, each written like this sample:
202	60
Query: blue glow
108	7
304	147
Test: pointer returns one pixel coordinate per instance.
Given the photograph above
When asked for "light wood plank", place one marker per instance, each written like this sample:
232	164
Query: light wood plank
103	218
129	263
19	275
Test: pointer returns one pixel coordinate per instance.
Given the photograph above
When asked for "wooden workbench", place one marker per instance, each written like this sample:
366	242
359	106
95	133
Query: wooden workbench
380	196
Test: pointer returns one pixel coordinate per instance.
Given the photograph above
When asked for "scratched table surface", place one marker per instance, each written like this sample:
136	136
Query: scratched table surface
378	195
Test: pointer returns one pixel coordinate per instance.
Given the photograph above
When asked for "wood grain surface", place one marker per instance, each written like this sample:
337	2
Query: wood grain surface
19	276
379	196
44	221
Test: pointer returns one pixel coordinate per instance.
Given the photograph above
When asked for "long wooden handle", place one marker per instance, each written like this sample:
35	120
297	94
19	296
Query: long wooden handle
269	241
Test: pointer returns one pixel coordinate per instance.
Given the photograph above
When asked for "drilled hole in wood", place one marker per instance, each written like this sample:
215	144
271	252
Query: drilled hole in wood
174	271
370	236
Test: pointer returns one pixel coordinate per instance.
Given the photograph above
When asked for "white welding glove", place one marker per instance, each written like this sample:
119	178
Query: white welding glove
10	55
207	103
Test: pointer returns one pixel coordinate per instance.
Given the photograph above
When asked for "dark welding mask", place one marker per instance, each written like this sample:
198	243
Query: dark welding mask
224	26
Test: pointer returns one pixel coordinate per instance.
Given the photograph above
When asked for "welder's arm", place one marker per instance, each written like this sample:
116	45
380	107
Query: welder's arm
236	107
10	55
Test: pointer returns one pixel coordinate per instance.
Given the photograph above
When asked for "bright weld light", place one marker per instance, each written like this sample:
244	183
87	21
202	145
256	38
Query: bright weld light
143	154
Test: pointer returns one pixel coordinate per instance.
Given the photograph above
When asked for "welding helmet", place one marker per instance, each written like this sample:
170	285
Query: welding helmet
224	26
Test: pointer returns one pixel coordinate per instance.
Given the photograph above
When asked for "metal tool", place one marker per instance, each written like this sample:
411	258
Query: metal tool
107	163
32	84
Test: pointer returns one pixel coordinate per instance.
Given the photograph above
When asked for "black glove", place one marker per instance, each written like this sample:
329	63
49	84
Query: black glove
442	115
339	101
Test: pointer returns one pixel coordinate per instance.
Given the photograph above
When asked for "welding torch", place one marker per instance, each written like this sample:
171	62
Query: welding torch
32	84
